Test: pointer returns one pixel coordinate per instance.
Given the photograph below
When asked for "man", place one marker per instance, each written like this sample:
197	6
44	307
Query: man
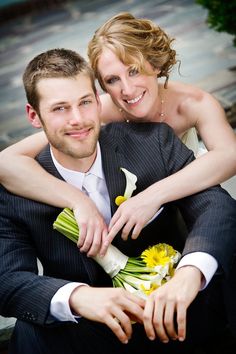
72	307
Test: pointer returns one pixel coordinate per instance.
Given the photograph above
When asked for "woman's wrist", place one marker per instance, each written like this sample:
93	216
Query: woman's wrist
156	195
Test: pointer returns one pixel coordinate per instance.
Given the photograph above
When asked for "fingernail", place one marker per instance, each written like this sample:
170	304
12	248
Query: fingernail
125	341
181	339
151	337
165	341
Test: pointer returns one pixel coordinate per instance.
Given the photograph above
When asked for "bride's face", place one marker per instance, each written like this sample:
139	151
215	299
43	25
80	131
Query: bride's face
135	93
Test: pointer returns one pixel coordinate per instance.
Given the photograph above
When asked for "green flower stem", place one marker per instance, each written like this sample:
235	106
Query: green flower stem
129	273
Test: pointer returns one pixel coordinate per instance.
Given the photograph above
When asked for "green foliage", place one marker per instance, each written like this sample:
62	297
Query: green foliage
221	15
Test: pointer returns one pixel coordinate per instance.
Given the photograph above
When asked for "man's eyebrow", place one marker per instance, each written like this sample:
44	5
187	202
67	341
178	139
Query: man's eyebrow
86	96
59	103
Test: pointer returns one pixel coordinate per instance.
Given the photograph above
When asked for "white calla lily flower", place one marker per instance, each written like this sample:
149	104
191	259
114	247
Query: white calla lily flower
131	180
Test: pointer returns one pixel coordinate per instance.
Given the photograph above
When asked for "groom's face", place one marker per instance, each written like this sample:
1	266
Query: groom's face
69	114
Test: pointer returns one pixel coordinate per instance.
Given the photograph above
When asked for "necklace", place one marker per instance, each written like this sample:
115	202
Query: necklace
162	113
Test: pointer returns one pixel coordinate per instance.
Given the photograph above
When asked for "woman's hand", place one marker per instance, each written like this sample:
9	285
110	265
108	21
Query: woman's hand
132	215
92	227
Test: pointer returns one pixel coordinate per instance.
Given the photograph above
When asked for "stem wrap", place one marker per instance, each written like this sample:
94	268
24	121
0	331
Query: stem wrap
113	261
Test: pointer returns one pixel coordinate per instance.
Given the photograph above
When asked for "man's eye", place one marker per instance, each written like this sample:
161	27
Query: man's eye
133	72
86	102
112	80
60	109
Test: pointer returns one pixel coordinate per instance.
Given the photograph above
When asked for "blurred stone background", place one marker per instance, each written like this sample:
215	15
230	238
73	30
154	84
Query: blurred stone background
29	27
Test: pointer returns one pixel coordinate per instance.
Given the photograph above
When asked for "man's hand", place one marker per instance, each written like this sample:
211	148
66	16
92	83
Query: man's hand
92	228
168	305
112	306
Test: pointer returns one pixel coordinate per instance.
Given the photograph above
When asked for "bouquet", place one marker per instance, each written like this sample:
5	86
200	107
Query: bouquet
142	274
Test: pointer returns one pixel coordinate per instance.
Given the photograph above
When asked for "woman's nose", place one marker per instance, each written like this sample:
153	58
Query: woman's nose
127	88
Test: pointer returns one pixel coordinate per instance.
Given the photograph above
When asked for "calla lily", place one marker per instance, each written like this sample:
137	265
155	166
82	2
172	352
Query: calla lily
142	274
131	180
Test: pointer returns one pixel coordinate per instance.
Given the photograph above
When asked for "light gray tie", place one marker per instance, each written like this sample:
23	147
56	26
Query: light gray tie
95	188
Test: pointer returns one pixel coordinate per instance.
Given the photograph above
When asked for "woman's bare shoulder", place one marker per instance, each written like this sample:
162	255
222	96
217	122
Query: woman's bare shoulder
110	112
191	98
185	90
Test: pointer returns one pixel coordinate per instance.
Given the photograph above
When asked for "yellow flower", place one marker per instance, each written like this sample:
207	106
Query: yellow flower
120	199
160	254
148	291
131	180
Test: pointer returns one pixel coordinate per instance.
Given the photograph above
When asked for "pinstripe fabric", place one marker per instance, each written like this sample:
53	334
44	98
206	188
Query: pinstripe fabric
150	151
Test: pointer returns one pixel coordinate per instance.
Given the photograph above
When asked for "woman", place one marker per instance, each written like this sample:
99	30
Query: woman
128	56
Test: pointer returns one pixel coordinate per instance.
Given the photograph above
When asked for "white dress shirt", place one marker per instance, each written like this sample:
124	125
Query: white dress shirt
59	307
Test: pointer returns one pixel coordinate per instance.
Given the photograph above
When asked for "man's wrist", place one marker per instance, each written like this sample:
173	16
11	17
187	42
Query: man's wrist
191	272
60	307
73	299
206	264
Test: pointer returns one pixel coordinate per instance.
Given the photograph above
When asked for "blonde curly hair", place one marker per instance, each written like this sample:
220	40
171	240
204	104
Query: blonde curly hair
134	41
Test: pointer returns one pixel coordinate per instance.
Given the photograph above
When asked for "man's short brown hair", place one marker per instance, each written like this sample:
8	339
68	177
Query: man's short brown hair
54	63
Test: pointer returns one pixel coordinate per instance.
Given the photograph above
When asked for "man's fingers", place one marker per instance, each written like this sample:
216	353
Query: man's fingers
148	319
169	321
114	324
181	321
125	323
158	320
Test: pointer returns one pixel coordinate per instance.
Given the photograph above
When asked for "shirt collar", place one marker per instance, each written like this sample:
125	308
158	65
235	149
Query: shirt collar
76	178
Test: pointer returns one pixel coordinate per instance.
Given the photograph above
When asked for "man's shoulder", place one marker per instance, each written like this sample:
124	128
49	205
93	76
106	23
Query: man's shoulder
121	129
44	155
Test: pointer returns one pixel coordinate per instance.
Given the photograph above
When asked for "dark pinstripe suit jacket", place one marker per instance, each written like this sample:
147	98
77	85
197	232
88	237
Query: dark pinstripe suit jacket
151	152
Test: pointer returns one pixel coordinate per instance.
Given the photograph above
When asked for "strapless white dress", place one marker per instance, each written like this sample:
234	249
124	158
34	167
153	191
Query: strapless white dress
190	139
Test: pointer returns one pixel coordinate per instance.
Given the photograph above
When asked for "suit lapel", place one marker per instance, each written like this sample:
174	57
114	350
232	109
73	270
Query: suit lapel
46	162
113	160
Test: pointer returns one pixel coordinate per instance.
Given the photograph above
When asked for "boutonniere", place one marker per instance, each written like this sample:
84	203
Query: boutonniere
131	180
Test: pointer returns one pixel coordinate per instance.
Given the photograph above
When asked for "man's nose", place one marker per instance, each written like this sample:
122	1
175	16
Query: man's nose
75	117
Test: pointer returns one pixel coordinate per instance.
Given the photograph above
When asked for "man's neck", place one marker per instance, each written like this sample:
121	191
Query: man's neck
74	164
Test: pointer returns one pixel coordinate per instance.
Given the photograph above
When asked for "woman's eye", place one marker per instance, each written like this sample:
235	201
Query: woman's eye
133	72
111	80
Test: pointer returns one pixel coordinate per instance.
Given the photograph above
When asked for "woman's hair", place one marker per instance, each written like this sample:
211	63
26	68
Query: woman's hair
54	63
133	40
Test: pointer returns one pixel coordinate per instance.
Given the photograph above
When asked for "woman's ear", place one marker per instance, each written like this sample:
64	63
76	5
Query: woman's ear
33	116
157	71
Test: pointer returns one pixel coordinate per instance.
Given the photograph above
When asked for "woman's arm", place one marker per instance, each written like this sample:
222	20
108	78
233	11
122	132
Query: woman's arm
22	175
17	161
214	167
